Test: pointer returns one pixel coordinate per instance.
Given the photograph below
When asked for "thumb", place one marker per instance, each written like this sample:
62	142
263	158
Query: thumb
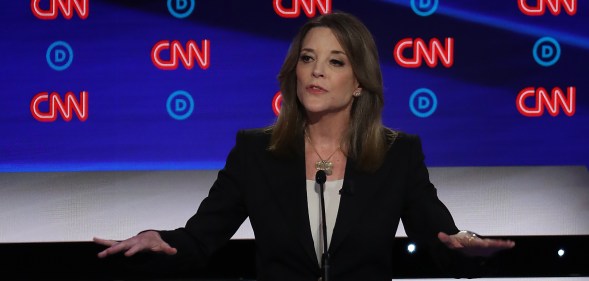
166	248
170	251
449	241
444	238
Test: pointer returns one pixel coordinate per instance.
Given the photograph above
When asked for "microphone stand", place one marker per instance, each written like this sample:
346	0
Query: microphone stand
321	177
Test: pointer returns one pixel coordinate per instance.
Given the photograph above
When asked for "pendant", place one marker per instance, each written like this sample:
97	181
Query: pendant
324	165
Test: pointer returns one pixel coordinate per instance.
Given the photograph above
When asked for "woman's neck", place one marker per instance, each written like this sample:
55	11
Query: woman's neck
327	130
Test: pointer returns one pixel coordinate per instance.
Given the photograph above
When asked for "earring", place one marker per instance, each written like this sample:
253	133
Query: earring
357	92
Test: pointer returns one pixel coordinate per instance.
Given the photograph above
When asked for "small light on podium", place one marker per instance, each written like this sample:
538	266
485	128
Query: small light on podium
411	248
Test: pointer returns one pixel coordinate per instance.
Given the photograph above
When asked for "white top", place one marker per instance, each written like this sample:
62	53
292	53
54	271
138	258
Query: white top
332	198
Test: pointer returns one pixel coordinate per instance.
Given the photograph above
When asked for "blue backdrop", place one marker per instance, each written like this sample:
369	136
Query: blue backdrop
135	122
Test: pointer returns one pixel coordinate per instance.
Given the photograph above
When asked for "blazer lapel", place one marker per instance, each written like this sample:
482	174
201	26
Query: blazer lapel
356	193
287	183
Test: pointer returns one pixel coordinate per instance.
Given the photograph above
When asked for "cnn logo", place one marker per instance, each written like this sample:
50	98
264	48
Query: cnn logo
189	55
554	6
310	7
542	100
430	53
277	103
66	107
66	7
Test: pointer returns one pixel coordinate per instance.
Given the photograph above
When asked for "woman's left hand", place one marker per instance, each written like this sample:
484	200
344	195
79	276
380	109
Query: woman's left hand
472	245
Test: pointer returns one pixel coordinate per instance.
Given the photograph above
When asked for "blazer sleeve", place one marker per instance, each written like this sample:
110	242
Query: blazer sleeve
219	215
424	216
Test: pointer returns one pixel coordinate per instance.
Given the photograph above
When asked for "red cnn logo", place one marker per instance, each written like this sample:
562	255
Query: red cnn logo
324	7
542	99
421	51
67	8
570	7
56	104
178	53
277	103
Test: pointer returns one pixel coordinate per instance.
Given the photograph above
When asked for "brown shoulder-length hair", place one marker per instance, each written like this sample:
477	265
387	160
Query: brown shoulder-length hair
367	139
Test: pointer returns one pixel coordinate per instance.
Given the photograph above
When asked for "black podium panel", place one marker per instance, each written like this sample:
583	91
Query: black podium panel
533	256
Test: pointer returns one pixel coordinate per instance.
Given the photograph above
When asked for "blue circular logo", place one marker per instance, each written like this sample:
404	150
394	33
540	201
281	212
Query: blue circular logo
424	8
423	102
59	55
180	105
181	8
546	51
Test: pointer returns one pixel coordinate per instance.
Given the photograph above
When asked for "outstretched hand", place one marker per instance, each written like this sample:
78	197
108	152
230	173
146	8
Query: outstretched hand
145	241
472	245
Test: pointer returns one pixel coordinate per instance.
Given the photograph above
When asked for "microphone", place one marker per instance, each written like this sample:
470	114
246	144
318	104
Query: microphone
320	178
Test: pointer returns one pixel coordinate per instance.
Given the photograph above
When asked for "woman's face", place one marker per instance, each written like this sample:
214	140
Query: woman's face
325	80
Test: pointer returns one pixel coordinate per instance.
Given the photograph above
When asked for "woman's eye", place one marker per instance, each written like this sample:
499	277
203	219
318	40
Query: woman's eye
306	58
337	62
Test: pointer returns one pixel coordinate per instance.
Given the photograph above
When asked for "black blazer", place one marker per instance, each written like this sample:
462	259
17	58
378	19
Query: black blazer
272	192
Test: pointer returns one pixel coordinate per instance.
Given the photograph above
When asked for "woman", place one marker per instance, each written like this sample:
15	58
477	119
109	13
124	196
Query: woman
331	121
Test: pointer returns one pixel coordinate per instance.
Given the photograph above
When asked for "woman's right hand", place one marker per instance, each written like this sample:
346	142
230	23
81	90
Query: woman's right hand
144	241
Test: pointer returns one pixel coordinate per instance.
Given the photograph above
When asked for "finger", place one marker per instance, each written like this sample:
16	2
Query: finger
488	247
445	238
134	250
449	240
171	251
104	242
107	252
477	243
162	247
115	248
486	243
497	243
102	254
166	248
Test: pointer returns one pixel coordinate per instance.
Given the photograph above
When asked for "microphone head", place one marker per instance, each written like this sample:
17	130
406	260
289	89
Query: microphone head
320	177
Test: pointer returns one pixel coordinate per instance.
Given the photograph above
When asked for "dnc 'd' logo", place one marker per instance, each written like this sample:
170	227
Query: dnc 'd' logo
424	8
180	105
181	8
59	55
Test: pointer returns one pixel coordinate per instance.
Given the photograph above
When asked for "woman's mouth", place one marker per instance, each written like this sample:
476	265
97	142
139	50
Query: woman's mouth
314	89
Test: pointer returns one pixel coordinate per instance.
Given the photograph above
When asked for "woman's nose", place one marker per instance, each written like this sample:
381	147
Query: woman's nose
317	72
